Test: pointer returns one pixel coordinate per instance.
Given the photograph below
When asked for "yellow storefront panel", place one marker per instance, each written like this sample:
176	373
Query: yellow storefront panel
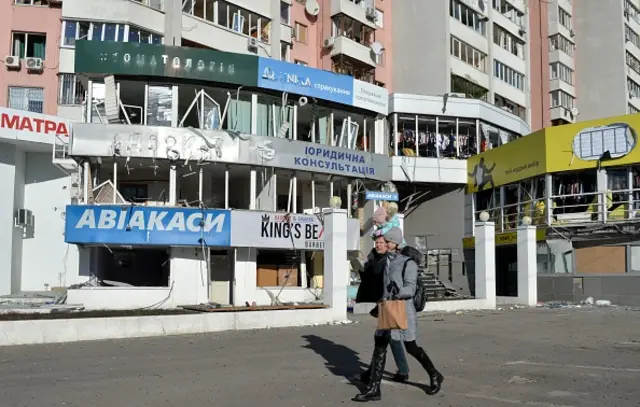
579	146
504	239
520	159
612	141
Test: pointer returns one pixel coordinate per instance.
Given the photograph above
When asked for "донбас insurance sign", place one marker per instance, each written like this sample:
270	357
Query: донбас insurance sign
131	225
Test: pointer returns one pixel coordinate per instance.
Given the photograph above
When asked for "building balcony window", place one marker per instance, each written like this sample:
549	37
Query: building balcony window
468	88
511	107
231	17
354	30
85	30
349	66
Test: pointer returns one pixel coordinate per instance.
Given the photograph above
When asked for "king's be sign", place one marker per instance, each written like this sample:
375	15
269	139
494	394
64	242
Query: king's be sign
146	225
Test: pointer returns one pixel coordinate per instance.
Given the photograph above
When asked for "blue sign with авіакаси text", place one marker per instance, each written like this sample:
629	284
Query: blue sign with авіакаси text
302	80
147	226
382	196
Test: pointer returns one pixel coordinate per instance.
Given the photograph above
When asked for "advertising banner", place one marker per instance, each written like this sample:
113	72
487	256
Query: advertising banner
306	81
606	142
127	58
299	155
22	125
218	146
279	230
146	226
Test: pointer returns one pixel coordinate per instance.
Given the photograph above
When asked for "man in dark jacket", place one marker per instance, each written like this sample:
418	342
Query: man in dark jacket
371	287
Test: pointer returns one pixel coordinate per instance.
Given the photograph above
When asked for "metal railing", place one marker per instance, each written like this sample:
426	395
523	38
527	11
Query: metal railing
609	206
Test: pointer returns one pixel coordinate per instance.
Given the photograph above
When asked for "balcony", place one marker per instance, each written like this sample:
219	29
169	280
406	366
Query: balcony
355	11
561	114
557	84
354	50
560	56
144	14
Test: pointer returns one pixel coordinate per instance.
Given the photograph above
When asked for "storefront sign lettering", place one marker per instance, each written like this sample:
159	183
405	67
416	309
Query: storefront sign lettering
188	64
146	225
125	58
322	158
305	81
381	196
154	220
32	124
283	227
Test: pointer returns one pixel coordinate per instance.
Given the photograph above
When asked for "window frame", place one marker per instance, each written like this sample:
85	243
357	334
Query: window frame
76	87
9	88
120	30
26	44
297	36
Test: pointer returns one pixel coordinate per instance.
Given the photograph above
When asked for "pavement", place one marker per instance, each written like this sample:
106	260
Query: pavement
530	357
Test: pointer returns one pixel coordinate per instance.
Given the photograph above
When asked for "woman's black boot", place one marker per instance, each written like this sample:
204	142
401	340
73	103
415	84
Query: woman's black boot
372	391
365	376
436	377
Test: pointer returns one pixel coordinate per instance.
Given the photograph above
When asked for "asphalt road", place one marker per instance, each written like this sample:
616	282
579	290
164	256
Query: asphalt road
537	357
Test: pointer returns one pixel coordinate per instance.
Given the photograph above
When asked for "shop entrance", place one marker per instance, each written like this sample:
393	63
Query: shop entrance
140	267
507	271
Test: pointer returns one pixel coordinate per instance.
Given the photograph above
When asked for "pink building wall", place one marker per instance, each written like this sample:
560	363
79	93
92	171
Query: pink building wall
320	27
539	57
36	19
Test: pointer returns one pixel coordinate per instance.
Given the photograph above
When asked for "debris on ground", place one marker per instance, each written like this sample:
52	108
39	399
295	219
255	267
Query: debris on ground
589	302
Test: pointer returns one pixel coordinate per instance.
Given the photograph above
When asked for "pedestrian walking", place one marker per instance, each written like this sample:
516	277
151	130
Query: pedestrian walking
371	281
398	283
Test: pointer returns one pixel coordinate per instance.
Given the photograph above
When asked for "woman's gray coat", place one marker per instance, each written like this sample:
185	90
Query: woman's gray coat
406	289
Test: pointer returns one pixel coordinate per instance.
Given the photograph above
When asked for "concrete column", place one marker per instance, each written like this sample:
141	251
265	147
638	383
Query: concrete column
336	279
189	277
12	168
527	266
245	276
173	23
485	259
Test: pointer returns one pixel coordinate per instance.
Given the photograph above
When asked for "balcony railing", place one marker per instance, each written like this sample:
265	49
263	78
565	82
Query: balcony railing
611	206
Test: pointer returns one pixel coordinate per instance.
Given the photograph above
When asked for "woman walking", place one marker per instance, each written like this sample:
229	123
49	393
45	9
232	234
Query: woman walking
371	285
399	283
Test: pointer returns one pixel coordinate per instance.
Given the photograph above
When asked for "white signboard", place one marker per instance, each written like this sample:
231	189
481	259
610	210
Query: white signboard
21	125
370	97
279	230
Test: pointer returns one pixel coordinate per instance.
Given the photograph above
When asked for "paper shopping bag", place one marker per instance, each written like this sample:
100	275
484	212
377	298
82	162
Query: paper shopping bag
392	314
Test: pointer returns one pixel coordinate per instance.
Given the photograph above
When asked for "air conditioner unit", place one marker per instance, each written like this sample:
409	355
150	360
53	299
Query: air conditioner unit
522	31
12	61
631	95
252	44
34	64
24	218
370	12
329	42
572	33
457	95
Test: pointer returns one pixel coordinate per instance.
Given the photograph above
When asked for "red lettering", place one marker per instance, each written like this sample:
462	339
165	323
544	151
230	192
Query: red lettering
33	124
25	124
38	123
49	126
9	123
62	129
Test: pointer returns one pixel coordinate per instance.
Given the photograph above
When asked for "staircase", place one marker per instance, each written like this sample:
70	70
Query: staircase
433	287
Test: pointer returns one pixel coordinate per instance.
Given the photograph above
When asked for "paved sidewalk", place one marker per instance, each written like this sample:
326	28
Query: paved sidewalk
532	357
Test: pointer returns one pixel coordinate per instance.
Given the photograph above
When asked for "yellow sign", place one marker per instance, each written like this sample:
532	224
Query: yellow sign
520	159
579	146
505	239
